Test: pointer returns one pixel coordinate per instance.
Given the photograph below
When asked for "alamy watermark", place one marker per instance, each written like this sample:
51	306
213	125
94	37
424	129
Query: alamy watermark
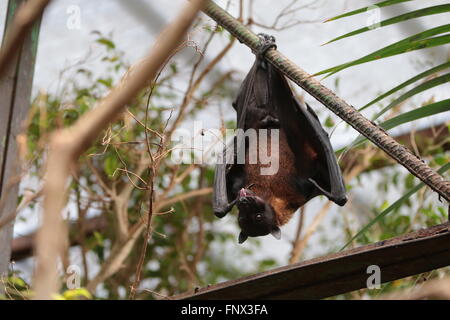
73	280
74	17
374	280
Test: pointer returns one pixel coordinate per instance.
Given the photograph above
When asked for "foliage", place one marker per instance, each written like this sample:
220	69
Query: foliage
392	218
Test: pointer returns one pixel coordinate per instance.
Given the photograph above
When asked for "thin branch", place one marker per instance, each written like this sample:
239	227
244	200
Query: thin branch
183	197
191	89
143	125
25	202
300	245
81	224
129	178
98	177
295	244
115	260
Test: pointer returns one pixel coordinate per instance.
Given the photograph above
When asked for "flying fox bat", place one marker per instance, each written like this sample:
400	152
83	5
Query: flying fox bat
307	165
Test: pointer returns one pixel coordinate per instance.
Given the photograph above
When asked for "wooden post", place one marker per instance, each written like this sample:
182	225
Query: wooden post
15	92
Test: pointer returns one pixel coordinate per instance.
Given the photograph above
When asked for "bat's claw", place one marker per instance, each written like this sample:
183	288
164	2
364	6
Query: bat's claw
221	212
266	42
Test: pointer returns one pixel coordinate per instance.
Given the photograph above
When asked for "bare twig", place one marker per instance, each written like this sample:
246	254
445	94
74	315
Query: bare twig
118	254
300	245
182	197
200	243
286	13
295	244
194	86
25	201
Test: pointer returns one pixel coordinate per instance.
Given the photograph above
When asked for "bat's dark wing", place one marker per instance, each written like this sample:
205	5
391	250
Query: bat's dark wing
228	180
229	176
314	157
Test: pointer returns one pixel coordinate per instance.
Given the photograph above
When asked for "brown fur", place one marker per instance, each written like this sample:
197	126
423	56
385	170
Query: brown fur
278	189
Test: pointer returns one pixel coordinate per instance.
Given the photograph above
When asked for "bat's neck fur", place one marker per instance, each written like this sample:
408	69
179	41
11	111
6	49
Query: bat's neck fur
279	189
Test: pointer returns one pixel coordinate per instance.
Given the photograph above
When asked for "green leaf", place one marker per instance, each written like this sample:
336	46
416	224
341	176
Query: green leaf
76	294
422	112
106	82
393	206
111	164
108	43
418	41
329	122
403	17
98	237
425	111
440	160
364	9
70	115
174	67
18	282
408	82
420	88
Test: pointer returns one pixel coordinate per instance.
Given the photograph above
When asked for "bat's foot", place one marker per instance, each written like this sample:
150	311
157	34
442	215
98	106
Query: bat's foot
222	211
266	42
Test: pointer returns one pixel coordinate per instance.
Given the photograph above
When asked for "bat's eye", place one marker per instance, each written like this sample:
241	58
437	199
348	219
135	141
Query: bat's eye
258	217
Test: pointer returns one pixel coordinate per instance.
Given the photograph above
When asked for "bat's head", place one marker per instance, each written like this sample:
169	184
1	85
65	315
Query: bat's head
256	216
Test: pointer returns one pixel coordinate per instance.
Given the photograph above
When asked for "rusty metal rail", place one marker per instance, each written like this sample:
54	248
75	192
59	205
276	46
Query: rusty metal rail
399	257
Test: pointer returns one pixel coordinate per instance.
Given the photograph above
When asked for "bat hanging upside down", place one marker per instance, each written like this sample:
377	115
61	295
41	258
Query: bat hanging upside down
306	164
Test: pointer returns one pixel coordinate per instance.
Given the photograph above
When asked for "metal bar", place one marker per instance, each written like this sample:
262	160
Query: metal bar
330	100
342	272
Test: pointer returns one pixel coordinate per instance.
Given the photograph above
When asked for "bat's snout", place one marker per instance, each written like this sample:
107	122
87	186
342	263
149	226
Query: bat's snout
243	193
246	199
244	202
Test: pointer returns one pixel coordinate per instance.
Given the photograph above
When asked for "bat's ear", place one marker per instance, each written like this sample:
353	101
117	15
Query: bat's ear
242	237
276	232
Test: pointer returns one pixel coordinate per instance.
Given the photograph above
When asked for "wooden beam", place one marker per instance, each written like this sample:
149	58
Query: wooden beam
342	272
15	91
